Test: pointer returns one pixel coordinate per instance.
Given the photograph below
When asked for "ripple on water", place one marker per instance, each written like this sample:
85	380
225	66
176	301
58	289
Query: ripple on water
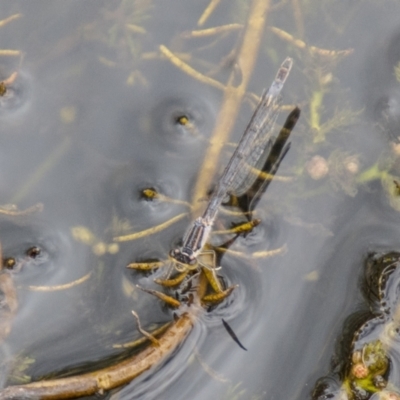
368	360
157	383
32	252
17	95
181	122
146	195
45	263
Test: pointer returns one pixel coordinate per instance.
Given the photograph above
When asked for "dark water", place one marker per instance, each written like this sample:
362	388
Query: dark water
91	121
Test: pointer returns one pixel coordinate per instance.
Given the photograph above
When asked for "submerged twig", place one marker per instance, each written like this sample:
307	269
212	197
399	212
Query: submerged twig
212	31
107	378
8	304
7	20
150	231
233	96
213	374
65	286
14	212
146	334
9	301
207	12
187	69
10	53
143	339
312	49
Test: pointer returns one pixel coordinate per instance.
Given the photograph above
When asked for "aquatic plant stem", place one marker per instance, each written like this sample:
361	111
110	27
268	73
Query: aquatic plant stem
315	117
233	96
371	174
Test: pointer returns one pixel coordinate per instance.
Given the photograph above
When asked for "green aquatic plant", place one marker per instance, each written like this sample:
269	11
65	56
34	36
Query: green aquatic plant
18	368
366	364
368	368
122	32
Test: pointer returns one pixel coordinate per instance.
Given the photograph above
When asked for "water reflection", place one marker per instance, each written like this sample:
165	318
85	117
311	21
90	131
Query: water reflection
98	115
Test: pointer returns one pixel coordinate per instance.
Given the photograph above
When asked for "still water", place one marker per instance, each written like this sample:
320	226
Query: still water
93	118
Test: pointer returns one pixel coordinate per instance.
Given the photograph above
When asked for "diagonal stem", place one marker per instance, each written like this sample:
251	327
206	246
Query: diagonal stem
233	96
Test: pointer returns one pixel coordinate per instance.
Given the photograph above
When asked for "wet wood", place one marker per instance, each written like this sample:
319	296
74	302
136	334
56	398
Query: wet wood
107	378
8	304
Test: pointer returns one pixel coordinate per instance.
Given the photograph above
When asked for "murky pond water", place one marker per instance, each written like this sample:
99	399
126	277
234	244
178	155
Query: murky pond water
106	100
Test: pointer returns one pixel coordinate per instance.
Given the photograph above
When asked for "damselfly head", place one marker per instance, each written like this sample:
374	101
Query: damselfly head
183	260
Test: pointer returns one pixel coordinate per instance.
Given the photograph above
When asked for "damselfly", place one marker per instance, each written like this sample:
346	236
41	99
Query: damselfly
237	176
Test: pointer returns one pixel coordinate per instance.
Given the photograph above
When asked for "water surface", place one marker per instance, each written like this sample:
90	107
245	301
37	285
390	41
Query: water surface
93	119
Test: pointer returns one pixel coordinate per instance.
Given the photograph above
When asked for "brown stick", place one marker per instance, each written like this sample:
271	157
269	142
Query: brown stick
9	305
233	96
107	378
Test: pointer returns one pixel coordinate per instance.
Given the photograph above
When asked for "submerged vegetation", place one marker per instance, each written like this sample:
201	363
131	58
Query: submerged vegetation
123	44
366	362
